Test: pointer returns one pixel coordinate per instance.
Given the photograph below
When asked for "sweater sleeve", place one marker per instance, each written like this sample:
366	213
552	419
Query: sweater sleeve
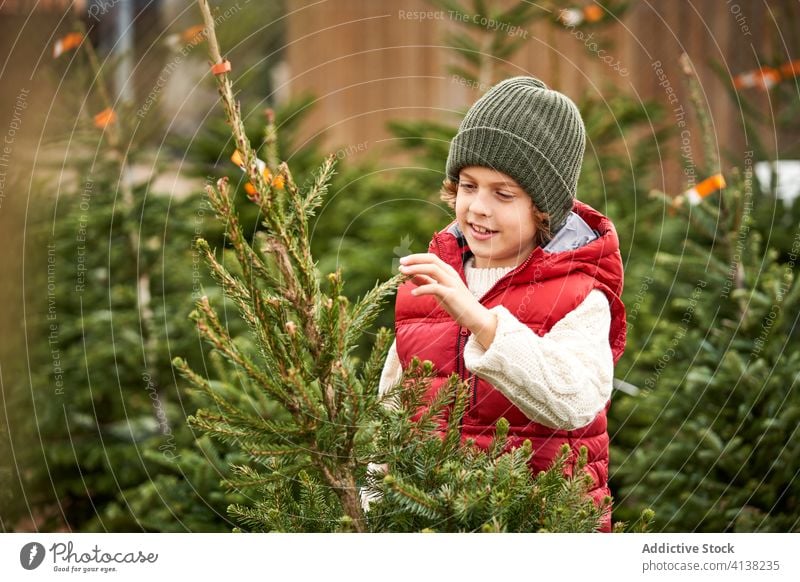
562	379
392	370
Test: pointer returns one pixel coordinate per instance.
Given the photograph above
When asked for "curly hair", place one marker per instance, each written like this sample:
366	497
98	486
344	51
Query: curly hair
541	220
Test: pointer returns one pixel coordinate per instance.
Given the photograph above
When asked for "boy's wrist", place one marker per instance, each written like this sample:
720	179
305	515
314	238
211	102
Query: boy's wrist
484	328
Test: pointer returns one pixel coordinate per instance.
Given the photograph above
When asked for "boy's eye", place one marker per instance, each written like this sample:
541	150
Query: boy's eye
505	196
466	186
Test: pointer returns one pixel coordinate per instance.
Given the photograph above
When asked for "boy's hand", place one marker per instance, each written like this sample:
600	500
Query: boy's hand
435	277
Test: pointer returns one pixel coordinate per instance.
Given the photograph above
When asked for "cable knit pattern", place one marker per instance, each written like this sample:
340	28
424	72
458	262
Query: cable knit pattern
562	379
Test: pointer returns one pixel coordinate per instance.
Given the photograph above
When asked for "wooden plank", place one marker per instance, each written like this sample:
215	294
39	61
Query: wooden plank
405	79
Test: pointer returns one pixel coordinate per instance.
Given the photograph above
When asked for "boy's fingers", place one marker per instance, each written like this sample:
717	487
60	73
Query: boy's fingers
425	289
434	271
419	258
414	271
422	280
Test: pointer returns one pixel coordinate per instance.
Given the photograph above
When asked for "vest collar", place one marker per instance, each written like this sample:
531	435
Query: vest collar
588	244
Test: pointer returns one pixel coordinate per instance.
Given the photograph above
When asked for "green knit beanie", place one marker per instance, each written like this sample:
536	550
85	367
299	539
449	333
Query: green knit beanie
533	134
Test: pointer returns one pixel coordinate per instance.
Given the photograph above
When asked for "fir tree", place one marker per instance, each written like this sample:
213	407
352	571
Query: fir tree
111	413
715	450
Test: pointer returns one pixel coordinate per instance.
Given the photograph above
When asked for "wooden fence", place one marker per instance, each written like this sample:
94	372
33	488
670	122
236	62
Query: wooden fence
372	62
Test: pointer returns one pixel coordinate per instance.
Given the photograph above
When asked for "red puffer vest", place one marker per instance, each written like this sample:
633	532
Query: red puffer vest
539	292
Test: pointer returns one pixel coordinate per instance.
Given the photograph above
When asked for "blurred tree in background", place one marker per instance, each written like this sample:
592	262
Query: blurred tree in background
108	408
709	442
116	453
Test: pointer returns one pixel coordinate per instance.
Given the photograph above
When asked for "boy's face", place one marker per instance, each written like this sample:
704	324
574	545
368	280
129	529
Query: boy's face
493	200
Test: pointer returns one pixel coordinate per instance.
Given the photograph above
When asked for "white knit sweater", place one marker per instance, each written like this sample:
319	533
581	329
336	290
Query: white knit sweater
562	379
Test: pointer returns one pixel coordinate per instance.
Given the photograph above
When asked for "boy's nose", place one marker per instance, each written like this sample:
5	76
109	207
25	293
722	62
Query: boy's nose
480	204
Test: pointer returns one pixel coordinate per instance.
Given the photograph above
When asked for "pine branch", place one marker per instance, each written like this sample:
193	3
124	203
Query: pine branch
242	296
413	499
368	307
712	163
270	143
452	436
231	106
211	329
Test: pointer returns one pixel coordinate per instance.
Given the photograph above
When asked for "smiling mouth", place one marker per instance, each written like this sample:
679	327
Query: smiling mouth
481	230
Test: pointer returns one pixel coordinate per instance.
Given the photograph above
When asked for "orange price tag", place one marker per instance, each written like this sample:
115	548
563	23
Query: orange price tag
220	68
763	78
193	34
105	118
791	69
704	189
593	13
67	43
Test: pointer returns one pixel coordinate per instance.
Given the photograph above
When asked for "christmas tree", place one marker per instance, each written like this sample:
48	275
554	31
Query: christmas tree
117	454
714	450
